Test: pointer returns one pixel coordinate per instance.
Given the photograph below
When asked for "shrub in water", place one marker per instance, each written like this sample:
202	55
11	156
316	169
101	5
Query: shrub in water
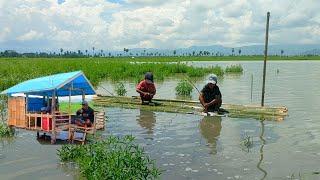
112	158
184	88
234	69
120	89
5	131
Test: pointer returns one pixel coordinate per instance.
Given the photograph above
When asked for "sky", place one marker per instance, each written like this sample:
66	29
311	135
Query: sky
49	25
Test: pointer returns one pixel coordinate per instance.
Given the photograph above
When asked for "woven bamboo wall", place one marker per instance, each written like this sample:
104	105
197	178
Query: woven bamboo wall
16	112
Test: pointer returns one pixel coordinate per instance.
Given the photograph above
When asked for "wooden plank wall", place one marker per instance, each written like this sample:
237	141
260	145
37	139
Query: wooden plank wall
16	112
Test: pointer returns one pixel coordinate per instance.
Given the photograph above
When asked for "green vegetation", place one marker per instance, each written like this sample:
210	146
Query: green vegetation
5	130
3	108
234	69
184	88
16	70
112	158
120	89
247	141
64	106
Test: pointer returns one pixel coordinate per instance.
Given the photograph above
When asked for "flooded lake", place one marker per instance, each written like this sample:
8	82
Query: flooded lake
195	147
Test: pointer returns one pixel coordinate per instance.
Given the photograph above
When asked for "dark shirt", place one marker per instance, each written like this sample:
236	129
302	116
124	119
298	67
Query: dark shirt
86	114
210	94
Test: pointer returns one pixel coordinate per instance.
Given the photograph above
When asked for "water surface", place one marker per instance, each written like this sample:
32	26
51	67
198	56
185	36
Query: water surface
194	147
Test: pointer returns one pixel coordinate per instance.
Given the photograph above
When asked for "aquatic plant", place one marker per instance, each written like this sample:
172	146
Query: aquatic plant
120	89
184	88
247	141
16	70
5	130
3	108
234	69
112	158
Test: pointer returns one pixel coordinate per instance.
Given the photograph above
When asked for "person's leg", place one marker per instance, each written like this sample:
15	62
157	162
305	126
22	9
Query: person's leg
144	100
215	107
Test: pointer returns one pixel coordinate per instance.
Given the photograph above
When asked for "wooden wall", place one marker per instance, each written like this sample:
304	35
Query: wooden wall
17	112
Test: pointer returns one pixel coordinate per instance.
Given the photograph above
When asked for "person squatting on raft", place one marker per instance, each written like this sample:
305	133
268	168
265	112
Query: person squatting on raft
146	88
85	115
210	96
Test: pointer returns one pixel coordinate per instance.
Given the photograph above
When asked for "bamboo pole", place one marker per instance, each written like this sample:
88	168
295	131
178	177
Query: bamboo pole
53	104
265	59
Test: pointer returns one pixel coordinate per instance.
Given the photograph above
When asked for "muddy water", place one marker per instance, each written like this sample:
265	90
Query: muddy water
194	147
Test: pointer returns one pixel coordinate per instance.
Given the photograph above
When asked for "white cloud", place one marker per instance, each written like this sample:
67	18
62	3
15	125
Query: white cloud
31	35
77	24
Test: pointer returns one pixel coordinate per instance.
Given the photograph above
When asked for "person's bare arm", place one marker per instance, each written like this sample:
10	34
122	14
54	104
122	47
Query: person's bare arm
201	98
142	92
216	100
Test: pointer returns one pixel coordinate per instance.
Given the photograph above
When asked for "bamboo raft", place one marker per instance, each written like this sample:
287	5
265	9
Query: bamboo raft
192	107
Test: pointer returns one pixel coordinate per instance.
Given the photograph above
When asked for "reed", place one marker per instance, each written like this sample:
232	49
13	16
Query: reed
112	158
234	69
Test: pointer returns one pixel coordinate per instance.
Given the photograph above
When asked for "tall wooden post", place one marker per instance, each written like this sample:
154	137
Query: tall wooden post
53	109
265	59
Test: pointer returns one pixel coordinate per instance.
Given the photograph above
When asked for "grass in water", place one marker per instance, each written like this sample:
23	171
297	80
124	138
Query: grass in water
120	89
5	130
184	88
16	70
234	69
247	141
112	158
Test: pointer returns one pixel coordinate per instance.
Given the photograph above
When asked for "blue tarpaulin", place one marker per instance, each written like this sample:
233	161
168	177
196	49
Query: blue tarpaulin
60	83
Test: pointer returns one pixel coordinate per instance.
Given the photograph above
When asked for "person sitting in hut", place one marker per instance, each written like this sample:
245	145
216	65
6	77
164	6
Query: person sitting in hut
210	96
146	88
85	115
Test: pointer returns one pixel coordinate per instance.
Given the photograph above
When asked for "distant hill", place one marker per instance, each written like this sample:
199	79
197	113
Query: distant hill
213	50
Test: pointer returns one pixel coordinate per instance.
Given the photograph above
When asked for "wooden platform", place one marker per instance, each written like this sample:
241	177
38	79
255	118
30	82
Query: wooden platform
193	107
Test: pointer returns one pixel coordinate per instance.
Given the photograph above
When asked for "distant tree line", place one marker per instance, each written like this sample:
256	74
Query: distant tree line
126	53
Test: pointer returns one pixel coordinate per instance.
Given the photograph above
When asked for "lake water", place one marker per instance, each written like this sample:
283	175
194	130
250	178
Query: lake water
194	147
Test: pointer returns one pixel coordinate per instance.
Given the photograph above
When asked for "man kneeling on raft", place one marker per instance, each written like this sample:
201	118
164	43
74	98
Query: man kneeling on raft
146	88
210	96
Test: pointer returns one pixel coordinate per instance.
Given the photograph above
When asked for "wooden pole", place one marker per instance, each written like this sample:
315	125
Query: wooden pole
265	59
53	104
251	86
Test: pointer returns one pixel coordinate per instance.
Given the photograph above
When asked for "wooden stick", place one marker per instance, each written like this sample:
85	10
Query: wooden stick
265	59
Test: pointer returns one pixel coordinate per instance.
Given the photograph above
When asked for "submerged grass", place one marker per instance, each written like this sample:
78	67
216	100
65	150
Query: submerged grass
16	70
234	69
246	141
112	158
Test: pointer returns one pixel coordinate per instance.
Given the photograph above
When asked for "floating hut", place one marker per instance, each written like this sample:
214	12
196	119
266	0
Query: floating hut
33	105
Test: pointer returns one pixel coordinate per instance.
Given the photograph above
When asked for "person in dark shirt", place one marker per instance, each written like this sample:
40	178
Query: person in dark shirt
146	88
86	115
210	96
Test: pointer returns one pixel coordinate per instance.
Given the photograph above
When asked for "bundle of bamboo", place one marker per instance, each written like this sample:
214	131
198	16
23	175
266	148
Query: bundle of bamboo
193	107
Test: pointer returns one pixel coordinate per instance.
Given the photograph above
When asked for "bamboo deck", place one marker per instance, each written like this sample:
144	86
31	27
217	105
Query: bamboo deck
193	107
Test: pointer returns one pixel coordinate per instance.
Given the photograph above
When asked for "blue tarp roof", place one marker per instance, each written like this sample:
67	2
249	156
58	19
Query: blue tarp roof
44	86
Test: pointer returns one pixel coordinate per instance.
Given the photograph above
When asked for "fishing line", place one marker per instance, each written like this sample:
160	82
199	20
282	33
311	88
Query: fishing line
107	90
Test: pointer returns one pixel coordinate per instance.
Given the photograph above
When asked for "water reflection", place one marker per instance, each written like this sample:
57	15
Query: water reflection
147	120
210	128
263	142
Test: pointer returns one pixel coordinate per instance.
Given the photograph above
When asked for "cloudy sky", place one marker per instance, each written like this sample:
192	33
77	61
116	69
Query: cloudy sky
115	24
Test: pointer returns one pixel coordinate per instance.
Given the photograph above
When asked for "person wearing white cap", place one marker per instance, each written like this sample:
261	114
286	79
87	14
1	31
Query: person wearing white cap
210	96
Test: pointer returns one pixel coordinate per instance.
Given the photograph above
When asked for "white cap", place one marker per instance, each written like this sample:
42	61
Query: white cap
212	79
